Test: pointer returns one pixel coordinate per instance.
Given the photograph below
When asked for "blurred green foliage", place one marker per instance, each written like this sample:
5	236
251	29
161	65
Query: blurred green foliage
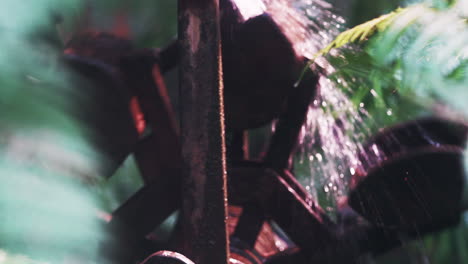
51	193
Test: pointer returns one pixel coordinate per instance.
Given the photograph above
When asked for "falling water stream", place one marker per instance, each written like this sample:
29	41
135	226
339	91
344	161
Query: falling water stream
330	143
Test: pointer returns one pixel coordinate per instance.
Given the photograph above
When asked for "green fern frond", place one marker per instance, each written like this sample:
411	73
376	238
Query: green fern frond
361	32
421	54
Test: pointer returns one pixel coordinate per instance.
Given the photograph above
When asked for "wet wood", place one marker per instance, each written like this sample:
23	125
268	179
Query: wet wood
278	157
159	155
289	125
204	198
265	194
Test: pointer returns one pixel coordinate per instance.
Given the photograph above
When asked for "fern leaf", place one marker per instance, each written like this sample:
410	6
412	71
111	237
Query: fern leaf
362	32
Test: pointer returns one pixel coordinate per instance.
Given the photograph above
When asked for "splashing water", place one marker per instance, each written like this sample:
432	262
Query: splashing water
330	142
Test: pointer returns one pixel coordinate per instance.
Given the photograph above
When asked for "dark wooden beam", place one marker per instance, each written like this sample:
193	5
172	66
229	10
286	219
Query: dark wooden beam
204	198
288	128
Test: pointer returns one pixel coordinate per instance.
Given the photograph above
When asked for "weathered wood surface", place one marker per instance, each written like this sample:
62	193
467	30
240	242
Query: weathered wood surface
204	202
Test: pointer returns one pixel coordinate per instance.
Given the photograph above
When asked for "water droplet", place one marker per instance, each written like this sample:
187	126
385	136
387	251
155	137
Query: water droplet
319	157
375	149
